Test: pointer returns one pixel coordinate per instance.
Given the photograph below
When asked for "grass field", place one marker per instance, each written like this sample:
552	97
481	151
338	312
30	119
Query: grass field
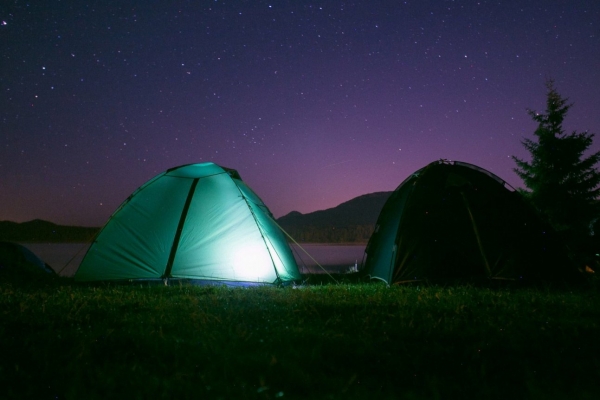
60	340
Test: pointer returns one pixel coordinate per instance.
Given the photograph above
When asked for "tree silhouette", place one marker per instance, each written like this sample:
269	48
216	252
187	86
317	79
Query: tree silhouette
562	182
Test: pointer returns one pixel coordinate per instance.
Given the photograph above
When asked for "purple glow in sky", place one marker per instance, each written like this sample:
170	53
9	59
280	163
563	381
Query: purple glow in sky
314	103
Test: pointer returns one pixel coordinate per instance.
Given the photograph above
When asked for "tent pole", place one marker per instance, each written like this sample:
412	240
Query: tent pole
261	233
476	231
175	245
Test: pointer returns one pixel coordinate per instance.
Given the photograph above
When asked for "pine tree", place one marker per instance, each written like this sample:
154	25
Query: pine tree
562	182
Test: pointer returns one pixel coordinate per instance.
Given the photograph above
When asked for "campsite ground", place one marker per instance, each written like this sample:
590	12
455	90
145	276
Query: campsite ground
66	341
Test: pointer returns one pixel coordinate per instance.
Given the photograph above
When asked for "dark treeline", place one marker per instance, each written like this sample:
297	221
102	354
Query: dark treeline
44	231
347	234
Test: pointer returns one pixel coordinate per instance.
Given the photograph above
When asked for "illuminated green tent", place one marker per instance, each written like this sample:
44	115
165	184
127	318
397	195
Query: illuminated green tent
198	222
454	221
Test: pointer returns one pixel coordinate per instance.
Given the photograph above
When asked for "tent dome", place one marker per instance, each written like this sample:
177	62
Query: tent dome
199	222
15	258
456	221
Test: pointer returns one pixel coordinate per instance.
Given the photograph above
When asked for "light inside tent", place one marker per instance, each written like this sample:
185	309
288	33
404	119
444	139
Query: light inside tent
252	262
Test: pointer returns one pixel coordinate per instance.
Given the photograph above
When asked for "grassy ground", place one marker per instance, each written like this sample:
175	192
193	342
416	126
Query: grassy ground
66	341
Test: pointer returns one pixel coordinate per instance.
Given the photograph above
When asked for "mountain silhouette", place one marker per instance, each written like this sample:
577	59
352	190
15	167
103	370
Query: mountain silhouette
350	222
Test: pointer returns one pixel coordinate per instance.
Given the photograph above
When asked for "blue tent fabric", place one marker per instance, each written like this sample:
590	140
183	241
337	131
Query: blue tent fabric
19	259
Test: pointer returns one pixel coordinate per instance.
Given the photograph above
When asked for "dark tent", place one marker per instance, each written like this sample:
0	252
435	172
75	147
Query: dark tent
17	259
455	221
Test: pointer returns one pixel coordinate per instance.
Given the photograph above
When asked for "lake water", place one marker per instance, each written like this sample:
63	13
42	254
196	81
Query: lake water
66	257
334	258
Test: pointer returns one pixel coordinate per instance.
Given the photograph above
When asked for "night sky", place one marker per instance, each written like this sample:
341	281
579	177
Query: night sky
314	103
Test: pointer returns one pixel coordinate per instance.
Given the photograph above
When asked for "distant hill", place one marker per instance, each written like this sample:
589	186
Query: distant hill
349	222
43	231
